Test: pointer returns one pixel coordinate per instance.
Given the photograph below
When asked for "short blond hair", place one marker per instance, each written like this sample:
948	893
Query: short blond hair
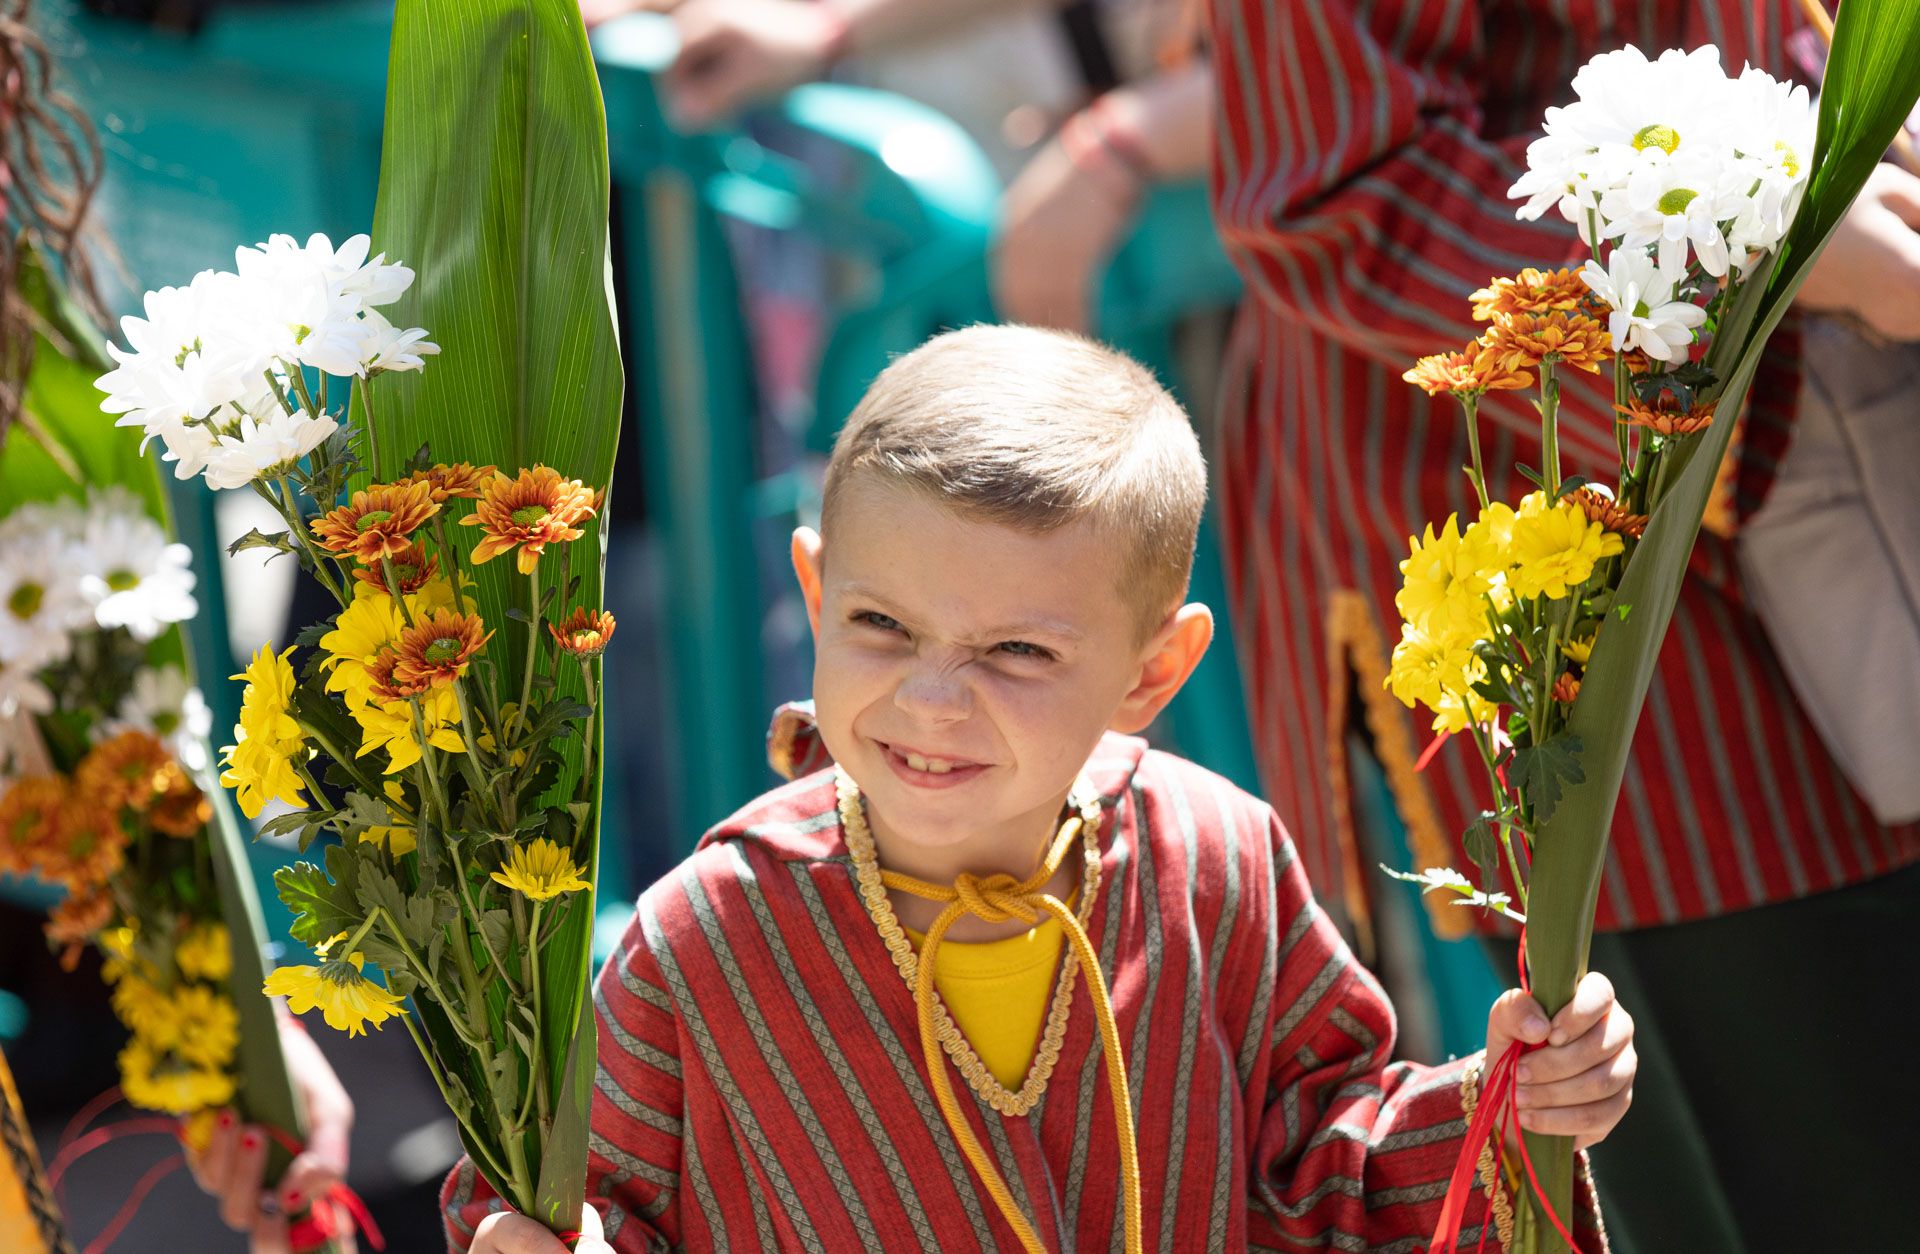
1033	429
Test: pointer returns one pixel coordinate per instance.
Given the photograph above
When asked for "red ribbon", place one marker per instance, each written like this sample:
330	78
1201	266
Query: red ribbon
1496	1117
323	1220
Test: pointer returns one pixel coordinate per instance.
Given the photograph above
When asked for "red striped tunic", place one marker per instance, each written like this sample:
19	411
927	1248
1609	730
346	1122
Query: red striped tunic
1360	184
762	1086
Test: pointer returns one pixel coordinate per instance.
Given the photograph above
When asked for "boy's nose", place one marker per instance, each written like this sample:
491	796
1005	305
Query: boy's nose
934	695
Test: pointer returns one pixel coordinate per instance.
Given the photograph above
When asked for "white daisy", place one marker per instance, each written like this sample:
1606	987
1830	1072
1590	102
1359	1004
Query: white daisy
40	600
265	446
385	347
1645	314
134	578
163	704
21	693
1675	203
296	309
183	360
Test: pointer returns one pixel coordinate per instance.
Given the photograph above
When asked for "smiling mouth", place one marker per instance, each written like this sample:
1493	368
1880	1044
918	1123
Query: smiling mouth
927	764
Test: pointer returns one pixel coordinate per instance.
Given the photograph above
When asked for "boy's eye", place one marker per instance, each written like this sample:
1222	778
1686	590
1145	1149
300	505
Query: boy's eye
873	618
1021	648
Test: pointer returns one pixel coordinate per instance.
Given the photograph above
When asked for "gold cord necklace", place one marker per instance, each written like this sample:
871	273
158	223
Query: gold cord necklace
998	898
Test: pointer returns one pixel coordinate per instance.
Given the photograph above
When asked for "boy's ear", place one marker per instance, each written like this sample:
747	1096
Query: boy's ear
807	550
1171	656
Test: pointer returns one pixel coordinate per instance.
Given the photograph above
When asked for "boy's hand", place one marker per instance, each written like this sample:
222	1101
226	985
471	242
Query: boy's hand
1581	1081
508	1233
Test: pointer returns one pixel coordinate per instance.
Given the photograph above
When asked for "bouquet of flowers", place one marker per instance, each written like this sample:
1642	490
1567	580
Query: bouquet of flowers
1533	628
407	732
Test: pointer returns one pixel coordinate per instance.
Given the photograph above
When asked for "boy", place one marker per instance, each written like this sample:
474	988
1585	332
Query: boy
996	596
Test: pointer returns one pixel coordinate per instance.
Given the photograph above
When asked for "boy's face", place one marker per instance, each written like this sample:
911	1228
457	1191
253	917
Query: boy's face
965	670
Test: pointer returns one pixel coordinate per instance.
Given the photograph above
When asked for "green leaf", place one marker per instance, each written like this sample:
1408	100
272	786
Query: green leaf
321	908
493	187
1482	846
257	539
1539	772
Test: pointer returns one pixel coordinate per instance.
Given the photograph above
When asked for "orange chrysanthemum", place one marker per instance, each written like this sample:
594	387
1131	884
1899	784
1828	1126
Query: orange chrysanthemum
377	522
1530	291
126	771
30	822
1606	511
385	684
1636	361
436	650
1465	374
529	513
462	479
1566	688
1527	339
76	920
89	847
1665	417
179	808
412	566
584	633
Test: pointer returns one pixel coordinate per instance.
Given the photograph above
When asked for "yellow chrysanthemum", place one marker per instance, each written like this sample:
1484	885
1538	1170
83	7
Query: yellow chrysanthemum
399	836
541	869
158	1081
267	741
205	953
147	1012
363	629
1555	550
1446	583
389	725
1580	650
348	999
206	1026
1439	674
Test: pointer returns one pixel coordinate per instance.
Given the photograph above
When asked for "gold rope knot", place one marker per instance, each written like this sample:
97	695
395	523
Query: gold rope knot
996	898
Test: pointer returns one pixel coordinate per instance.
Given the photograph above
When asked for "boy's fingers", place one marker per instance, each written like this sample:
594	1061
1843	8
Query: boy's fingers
1516	1017
240	1196
1596	1083
1560	1062
507	1233
1590	1003
270	1236
1591	1120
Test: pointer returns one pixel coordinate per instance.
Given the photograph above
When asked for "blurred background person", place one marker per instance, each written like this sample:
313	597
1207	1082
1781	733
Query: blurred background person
1363	163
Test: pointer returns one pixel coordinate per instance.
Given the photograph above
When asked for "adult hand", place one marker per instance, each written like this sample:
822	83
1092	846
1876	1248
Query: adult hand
1059	227
734	53
232	1166
1580	1082
508	1233
1871	266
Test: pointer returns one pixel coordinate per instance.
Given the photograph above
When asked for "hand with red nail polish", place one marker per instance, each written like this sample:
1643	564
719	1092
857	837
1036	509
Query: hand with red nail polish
232	1165
1580	1081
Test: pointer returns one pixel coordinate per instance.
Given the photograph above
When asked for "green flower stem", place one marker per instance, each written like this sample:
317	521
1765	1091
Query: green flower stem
1660	475
474	1140
472	762
393	588
427	764
586	737
425	975
473	910
351	765
533	648
373	430
1471	403
1480	742
299	376
285	505
1550	429
538	1073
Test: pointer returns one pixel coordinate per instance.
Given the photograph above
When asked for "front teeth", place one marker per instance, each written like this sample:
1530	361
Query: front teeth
931	765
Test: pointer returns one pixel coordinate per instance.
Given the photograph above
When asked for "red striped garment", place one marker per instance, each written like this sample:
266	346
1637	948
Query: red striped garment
1360	184
762	1086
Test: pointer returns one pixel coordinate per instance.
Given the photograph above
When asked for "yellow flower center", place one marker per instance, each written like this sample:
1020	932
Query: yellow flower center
1791	162
406	572
186	351
166	722
445	649
373	518
26	600
1658	136
527	515
123	580
1677	200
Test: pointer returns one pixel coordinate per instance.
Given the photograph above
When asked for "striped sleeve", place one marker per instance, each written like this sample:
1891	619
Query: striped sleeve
1350	1151
635	1135
1355	188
